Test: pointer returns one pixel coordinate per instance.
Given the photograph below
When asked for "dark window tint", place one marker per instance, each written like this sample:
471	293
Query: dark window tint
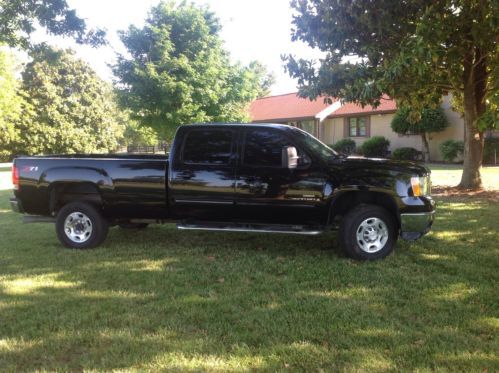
264	147
208	147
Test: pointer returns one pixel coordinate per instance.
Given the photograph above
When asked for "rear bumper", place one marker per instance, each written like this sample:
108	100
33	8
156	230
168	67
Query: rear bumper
16	205
415	225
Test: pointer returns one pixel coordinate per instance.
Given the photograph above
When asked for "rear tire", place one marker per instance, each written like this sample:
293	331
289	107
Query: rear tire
79	225
367	232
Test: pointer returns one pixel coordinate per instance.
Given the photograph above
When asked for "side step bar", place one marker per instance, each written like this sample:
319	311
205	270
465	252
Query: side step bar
255	228
28	219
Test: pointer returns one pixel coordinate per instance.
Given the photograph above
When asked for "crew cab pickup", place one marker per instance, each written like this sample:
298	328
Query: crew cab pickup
230	177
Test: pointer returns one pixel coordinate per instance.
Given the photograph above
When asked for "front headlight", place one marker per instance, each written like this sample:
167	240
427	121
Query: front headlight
420	186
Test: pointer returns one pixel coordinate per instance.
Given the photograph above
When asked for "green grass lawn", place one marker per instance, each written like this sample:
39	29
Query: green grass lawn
450	175
161	299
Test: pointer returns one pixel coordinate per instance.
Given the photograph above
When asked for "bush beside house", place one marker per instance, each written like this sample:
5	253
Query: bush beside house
376	146
451	149
431	120
491	149
406	154
344	146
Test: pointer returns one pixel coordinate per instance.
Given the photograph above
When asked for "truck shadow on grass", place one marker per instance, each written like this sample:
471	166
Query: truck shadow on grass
164	299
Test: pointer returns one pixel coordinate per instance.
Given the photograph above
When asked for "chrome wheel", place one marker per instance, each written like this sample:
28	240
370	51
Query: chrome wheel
78	227
372	235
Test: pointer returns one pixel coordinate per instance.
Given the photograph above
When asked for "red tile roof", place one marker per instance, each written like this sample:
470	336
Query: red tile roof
386	105
288	106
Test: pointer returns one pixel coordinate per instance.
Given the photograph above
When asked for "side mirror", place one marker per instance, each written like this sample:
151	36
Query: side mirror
289	157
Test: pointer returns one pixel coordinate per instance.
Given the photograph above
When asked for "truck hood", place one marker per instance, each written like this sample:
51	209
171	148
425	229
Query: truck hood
380	164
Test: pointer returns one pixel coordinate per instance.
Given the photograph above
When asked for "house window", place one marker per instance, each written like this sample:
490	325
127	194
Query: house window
308	126
357	126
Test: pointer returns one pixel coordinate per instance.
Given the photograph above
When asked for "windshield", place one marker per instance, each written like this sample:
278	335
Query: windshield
315	144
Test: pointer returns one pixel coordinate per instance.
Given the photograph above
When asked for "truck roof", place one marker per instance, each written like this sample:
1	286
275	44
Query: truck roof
274	125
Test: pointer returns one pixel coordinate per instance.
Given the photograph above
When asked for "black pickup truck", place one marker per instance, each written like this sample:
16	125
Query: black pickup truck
230	177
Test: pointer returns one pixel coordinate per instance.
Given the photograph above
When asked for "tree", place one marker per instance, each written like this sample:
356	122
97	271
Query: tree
10	104
139	135
414	51
263	79
177	71
19	17
431	120
69	109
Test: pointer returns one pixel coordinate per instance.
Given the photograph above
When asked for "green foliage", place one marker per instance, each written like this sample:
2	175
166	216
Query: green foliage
69	109
177	71
430	120
489	119
136	134
450	149
376	146
19	19
345	146
406	154
10	104
261	77
490	149
413	51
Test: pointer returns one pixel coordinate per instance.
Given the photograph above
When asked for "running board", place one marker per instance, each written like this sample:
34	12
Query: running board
28	219
255	228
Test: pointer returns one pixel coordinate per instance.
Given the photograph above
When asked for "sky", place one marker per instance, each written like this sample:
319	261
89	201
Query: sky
252	30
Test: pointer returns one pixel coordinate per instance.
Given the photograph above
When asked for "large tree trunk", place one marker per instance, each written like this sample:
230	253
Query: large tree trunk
426	147
474	106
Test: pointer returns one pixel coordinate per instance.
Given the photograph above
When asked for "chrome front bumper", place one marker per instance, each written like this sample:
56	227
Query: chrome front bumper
413	226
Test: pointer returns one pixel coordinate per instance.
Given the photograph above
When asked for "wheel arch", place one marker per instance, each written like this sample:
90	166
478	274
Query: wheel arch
62	193
347	200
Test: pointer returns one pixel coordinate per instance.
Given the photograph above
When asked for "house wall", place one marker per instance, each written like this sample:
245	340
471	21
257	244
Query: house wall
455	131
333	131
381	126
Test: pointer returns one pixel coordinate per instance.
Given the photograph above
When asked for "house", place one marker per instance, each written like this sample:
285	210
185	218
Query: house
333	120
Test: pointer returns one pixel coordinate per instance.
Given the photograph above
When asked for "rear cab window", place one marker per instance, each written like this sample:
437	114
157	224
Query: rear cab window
208	146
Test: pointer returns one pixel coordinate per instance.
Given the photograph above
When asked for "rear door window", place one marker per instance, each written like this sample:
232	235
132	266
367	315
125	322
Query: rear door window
210	146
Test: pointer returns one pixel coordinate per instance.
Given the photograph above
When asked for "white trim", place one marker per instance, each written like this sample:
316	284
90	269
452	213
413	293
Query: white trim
321	115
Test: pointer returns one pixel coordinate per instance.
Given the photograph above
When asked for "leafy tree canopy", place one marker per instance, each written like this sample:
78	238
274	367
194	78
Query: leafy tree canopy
178	72
19	18
69	109
10	103
431	120
415	51
139	135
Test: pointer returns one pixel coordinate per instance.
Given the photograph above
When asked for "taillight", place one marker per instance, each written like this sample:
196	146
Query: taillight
15	177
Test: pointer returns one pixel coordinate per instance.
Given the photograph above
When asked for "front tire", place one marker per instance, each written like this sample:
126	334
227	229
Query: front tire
367	232
80	226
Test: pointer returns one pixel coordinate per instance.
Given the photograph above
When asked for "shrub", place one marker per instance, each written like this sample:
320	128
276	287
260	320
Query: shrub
358	151
406	154
491	144
345	146
376	146
450	149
